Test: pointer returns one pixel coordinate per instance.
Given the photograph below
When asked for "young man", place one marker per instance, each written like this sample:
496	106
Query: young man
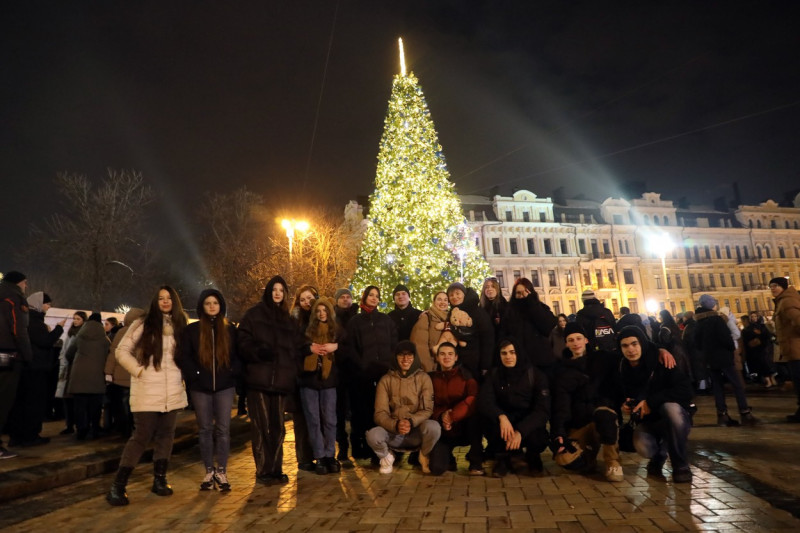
455	396
787	325
584	415
404	315
403	407
515	401
660	397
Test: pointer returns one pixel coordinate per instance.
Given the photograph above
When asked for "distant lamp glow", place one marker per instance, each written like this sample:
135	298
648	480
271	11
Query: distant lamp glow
291	226
402	58
661	244
652	306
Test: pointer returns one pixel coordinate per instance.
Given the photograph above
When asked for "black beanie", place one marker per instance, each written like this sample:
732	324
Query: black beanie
14	277
781	282
46	299
573	327
401	288
96	317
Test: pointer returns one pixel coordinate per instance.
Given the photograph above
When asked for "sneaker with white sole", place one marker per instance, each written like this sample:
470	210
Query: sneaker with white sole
614	473
386	464
5	454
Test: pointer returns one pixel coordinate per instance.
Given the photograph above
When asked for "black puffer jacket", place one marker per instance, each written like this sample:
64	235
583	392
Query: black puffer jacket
14	321
476	356
269	344
580	386
713	338
530	322
370	343
197	376
42	341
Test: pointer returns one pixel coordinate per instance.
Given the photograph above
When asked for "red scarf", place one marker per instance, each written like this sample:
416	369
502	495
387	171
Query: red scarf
366	308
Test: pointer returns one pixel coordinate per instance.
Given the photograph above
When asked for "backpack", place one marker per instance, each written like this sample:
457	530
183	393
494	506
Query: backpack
604	335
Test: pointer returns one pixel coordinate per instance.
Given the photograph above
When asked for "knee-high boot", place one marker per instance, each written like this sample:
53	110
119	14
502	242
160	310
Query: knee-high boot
117	495
160	485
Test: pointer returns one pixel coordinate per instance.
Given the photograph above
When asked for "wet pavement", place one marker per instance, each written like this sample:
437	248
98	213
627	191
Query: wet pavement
745	479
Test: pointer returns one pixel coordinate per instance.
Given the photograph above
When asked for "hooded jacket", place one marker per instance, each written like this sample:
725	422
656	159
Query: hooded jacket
197	376
650	380
14	321
269	344
521	393
530	322
120	376
713	337
42	341
476	356
787	323
403	396
371	338
588	317
152	390
88	357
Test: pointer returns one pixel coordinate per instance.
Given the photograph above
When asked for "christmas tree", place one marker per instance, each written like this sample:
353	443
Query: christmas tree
417	234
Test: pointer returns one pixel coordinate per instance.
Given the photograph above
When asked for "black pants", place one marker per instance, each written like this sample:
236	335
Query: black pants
534	442
362	394
342	405
27	415
87	413
466	433
117	413
9	381
268	431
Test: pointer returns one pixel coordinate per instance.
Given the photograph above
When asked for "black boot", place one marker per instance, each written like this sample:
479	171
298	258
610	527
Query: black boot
160	485
117	495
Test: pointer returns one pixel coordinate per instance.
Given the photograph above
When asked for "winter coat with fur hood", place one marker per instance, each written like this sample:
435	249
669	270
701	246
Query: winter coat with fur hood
787	322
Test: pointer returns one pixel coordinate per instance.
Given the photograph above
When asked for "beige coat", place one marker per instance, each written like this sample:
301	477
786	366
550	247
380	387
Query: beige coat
152	390
398	398
787	324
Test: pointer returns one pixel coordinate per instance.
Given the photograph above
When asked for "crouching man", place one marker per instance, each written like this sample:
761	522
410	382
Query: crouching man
584	420
515	401
658	396
403	407
455	400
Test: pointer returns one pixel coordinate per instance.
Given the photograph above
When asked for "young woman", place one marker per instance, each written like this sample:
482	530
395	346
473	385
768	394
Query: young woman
87	378
557	336
304	298
209	364
493	302
431	326
269	344
64	367
318	382
148	351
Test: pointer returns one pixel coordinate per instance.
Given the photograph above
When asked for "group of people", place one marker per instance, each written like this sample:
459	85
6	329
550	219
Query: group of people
469	367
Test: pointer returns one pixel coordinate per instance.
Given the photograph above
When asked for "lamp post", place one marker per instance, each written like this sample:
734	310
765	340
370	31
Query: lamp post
291	226
662	244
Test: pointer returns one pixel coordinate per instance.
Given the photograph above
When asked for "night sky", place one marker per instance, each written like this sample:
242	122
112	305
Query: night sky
685	96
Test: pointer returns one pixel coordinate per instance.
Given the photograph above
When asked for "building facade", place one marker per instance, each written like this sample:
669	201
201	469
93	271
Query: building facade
645	253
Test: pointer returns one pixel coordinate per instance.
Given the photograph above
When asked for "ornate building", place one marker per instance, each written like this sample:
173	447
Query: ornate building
631	252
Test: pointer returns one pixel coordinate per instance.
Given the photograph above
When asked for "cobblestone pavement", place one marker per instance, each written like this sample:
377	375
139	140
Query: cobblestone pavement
734	488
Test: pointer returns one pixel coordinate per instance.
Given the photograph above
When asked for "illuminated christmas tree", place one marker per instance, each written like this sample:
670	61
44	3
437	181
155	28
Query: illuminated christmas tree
417	234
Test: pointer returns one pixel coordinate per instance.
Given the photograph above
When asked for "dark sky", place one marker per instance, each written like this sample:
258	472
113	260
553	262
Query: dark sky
685	96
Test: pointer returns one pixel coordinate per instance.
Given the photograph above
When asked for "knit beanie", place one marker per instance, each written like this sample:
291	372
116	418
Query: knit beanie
573	327
401	288
781	282
340	292
14	277
588	294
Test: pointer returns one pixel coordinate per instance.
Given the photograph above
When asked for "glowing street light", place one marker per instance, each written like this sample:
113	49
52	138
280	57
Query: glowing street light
291	226
662	244
651	306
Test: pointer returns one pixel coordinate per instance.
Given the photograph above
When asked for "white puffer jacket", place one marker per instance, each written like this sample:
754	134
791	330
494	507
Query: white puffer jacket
152	390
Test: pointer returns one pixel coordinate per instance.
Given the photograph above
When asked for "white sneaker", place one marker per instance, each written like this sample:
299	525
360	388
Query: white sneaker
386	464
614	473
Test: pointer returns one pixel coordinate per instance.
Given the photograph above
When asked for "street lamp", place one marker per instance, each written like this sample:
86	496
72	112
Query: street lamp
291	226
662	244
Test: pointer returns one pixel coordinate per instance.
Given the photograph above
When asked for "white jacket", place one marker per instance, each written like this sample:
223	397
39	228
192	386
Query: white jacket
152	390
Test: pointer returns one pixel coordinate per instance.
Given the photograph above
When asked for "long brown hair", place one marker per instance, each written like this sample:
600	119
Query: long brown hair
217	344
151	343
322	332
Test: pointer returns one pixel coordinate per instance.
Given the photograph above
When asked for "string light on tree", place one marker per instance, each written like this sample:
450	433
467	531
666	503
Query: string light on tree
416	232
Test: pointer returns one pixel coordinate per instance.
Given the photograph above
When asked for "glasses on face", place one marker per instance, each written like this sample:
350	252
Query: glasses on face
406	355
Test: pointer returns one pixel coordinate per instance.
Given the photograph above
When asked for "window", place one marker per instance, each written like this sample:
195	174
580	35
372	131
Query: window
781	252
712	284
683	306
733	280
552	279
717	250
707	250
564	248
627	275
666	223
620	247
669	282
744	281
570	279
606	247
526	216
535	278
509	216
556	307
517	275
542	216
678	282
722	280
728	252
573	307
656	220
617	219
531	246
548	246
599	275
495	246
582	246
747	253
611	278
627	250
658	282
500	280
587	278
692	281
512	243
633	305
615	306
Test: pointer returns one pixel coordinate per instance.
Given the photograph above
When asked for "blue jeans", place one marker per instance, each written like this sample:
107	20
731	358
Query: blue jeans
213	411
735	378
667	433
425	436
319	406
